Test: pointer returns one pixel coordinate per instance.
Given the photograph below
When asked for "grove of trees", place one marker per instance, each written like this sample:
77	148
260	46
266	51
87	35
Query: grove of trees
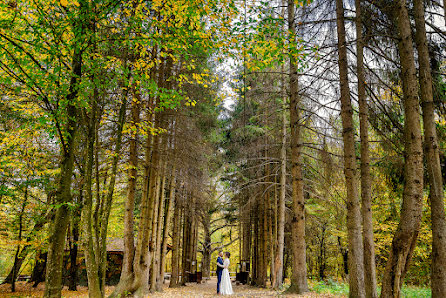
306	137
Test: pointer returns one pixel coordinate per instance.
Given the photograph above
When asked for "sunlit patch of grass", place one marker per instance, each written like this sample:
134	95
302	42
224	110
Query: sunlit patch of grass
415	292
329	287
341	289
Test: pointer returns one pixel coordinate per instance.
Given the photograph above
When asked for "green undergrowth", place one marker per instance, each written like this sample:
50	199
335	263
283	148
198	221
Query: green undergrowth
329	287
341	289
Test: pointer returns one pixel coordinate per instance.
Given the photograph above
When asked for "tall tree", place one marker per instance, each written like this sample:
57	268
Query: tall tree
432	155
127	263
366	180
53	284
405	238
278	270
355	244
299	278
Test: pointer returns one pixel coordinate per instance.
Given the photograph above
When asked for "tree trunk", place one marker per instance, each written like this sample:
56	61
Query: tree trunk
261	278
366	180
286	262
272	241
19	257
321	257
38	274
157	255
275	222
91	264
299	283
207	249
58	229
73	280
431	151
107	204
17	262
344	254
167	220
22	253
404	240
156	283
355	244
141	261
25	250
129	245
206	264
176	245
154	240
278	275
187	224
255	246
267	223
262	232
144	250
192	256
247	232
444	10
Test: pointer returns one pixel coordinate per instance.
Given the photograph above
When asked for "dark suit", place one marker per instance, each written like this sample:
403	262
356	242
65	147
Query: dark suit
219	271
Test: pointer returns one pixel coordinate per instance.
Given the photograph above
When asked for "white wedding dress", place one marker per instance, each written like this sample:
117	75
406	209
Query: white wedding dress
225	285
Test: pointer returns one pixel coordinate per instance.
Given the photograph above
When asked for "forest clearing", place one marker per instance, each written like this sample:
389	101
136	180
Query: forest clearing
280	148
190	290
207	289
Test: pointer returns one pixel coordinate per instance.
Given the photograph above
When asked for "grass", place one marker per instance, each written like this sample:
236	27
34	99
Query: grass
329	287
416	292
341	289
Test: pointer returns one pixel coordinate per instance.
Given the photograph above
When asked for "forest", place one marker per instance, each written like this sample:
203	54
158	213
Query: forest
140	138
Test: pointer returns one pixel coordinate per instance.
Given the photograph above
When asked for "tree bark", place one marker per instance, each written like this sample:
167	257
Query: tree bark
153	238
141	261
255	246
247	232
366	180
404	240
58	230
91	264
144	250
207	246
271	224
127	273
17	261
192	241
176	245
299	283
73	280
107	204
278	275
167	220
157	253
24	251
431	151
38	274
321	257
355	243
267	221
186	238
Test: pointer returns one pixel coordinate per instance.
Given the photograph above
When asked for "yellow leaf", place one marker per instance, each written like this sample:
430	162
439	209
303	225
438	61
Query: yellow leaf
64	2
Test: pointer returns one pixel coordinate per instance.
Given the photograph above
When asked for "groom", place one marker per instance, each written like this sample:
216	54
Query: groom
219	270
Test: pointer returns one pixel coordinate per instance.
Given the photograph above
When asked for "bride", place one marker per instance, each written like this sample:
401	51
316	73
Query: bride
225	286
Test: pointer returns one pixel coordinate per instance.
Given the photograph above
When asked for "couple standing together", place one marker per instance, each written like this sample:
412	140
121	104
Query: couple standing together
224	286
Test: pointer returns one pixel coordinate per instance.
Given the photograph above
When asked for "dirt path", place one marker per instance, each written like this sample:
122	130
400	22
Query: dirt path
207	289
